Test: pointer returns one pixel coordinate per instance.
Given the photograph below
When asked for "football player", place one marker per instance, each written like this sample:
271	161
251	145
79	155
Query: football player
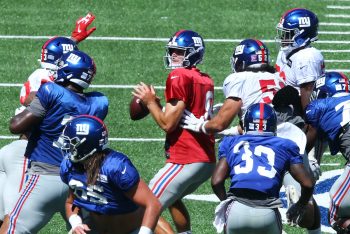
55	102
253	80
103	182
329	115
256	163
190	157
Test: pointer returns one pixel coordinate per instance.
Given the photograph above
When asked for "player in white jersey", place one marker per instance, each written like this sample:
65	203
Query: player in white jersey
300	64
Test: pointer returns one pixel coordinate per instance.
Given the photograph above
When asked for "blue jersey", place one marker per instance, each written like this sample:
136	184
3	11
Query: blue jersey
328	116
117	175
259	162
59	103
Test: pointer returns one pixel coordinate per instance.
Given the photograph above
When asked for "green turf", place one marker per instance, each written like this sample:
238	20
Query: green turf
129	62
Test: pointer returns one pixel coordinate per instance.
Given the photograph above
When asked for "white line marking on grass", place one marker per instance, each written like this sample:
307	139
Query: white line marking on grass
339	70
154	39
335	24
339	7
335	51
337	61
333	33
337	16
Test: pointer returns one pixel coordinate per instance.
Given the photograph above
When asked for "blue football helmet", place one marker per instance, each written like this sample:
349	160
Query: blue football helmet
82	137
192	45
76	67
249	53
330	84
54	49
260	119
297	27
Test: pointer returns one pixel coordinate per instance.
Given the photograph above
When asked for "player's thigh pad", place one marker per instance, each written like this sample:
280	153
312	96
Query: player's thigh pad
40	199
340	197
243	219
174	181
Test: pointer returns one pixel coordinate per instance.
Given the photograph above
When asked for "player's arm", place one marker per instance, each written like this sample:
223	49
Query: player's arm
167	120
311	136
72	215
305	93
221	172
225	116
23	122
142	195
301	175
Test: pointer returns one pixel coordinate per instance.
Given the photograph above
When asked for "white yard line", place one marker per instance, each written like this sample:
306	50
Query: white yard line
334	24
337	16
333	33
338	7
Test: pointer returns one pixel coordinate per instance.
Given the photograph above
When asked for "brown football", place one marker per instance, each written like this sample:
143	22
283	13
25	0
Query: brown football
137	109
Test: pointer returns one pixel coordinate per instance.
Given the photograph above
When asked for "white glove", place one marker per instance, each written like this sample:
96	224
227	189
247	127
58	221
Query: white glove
315	168
191	122
295	214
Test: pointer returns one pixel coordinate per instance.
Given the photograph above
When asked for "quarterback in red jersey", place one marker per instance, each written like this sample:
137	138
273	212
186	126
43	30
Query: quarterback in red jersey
190	155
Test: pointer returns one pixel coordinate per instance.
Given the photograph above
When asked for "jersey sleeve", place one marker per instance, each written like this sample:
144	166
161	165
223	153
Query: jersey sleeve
102	104
233	87
47	94
125	175
312	114
294	153
178	86
224	147
64	170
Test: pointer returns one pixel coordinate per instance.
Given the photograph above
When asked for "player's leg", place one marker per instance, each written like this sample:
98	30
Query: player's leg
180	216
41	198
175	181
163	227
243	219
2	204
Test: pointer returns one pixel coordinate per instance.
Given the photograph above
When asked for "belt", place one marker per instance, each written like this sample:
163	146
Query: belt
344	129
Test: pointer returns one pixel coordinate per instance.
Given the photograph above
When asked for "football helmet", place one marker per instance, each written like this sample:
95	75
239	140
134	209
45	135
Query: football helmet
82	137
192	45
260	119
330	84
76	67
297	27
53	49
249	53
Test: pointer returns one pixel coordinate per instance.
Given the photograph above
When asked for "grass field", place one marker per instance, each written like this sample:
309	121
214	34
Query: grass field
128	47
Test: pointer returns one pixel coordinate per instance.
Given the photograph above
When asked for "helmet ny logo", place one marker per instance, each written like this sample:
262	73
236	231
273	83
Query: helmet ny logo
239	49
82	129
67	47
73	58
197	41
304	22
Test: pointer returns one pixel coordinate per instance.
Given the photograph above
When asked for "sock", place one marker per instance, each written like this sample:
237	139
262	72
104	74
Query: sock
314	231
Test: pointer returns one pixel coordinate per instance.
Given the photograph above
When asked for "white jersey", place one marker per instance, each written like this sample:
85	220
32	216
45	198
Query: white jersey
304	66
34	82
252	87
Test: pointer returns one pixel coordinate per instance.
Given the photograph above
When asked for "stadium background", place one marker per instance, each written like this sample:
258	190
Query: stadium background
128	47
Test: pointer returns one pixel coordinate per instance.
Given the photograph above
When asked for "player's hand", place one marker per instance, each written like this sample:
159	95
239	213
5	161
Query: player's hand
315	168
81	229
81	32
191	122
295	213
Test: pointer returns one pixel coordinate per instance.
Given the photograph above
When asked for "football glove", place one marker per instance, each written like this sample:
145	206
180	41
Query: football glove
315	168
191	122
81	32
295	214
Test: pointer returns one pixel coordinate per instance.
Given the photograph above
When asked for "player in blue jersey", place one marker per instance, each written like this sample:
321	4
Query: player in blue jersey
55	103
256	163
329	115
103	182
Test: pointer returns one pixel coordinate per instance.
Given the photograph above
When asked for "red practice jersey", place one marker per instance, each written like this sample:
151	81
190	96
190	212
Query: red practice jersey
196	89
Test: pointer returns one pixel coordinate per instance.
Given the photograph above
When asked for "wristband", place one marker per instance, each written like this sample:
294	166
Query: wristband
145	230
75	221
202	128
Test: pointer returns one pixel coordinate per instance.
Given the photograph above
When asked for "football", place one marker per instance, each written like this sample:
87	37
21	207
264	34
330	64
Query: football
137	109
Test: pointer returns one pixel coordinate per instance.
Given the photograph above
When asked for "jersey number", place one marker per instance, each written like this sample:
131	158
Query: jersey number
268	88
247	156
346	112
92	193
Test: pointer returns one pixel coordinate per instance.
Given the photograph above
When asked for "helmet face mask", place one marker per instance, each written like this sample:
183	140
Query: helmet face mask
249	53
297	27
188	41
82	137
260	119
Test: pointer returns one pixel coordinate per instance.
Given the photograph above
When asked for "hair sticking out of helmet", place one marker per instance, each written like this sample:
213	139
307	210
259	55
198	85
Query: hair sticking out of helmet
260	119
185	49
76	67
330	84
53	49
297	27
83	136
250	53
